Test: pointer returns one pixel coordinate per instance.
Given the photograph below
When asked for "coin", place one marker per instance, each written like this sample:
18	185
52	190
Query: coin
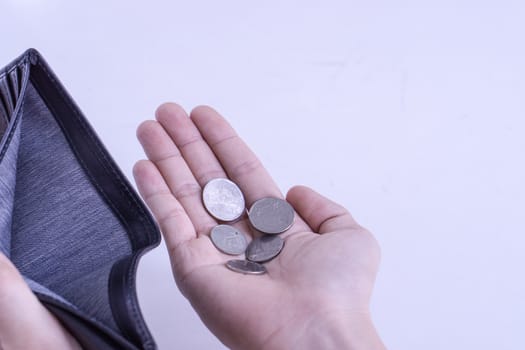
246	267
271	215
264	248
223	199
228	239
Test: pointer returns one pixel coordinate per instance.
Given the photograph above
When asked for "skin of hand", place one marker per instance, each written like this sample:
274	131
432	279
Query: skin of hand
24	322
316	293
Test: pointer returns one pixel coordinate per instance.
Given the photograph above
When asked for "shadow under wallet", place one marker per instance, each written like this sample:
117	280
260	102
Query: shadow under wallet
69	220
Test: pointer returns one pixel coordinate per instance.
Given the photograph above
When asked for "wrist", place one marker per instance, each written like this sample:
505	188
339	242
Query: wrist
328	330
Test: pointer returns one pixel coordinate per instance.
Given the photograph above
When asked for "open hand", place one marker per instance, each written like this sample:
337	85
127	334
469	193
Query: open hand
316	292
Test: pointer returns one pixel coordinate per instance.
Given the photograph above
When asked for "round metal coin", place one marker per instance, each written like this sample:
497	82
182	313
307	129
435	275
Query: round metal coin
271	215
246	267
223	199
228	239
264	248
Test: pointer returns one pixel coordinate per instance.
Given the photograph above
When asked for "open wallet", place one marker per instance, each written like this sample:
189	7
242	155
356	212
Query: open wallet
69	220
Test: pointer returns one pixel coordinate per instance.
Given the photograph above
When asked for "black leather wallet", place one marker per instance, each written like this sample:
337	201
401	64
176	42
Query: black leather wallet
69	220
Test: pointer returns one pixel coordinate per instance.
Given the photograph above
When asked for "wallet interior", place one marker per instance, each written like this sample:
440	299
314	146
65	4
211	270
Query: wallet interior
61	221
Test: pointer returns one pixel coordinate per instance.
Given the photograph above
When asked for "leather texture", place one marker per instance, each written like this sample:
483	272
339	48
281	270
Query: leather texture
83	266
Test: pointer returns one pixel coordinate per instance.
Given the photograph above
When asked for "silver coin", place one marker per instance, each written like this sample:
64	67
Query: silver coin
264	248
228	239
246	267
223	199
271	215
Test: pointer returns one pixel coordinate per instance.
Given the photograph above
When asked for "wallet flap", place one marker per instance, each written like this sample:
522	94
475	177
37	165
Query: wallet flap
73	223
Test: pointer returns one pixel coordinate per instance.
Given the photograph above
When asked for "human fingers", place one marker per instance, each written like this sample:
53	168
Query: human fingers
161	150
237	159
239	162
196	152
24	322
319	212
169	213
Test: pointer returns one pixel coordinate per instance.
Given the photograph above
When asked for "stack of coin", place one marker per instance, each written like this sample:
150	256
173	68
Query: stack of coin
269	216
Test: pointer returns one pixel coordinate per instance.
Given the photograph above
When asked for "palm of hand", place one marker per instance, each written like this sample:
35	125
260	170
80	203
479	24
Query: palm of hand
326	271
309	277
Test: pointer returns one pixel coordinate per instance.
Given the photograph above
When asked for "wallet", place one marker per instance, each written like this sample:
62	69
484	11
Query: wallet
69	219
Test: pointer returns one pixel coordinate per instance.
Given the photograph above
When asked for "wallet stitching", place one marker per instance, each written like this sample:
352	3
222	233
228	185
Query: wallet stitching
142	331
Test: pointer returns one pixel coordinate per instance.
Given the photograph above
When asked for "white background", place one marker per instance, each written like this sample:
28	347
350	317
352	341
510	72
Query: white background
410	114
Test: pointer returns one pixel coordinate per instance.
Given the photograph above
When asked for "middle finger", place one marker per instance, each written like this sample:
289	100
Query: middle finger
238	160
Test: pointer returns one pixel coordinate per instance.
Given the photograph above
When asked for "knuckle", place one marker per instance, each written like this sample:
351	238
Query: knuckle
192	140
246	168
209	175
173	213
187	190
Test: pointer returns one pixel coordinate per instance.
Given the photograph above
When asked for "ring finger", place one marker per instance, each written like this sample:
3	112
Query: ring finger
161	150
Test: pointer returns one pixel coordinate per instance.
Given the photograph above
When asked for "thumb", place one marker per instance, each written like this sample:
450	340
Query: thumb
319	212
24	322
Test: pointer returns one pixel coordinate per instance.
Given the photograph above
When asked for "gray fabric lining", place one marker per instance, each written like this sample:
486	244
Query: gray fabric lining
54	225
38	288
7	192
